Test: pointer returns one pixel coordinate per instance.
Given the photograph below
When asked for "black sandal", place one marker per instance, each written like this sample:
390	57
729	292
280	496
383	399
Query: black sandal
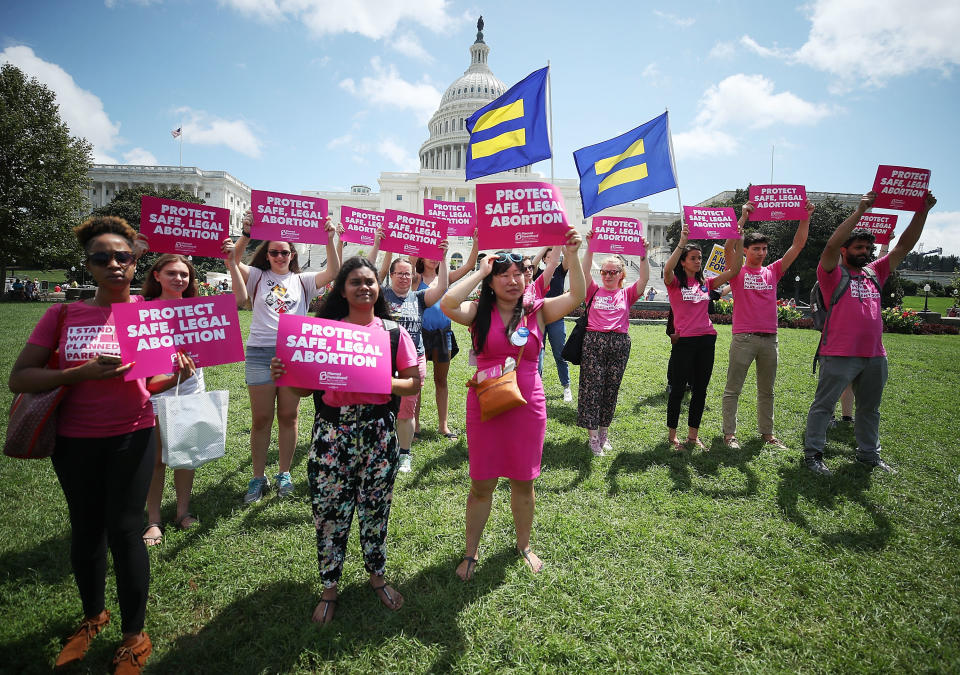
386	594
152	541
526	556
471	564
326	608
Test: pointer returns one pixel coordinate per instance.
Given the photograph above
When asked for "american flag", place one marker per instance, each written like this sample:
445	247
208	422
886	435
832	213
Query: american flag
176	132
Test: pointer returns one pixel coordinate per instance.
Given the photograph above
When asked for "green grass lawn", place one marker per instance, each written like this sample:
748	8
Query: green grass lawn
53	276
656	562
940	305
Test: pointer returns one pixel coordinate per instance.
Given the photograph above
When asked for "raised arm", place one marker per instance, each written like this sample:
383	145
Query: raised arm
375	249
469	263
384	267
675	256
586	263
911	235
434	293
455	304
236	281
644	277
799	239
329	273
541	254
830	257
558	307
241	245
730	247
732	266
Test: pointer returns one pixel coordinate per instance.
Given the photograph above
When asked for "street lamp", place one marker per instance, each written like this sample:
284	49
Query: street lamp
796	290
926	295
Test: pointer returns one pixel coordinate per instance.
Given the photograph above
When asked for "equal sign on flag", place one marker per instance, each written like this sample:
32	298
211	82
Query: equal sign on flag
176	132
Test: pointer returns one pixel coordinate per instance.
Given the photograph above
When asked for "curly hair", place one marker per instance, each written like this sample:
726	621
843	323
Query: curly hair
487	303
151	287
860	234
680	273
619	262
334	305
260	256
94	226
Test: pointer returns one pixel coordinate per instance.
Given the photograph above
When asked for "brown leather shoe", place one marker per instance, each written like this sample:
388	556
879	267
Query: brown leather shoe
77	644
132	655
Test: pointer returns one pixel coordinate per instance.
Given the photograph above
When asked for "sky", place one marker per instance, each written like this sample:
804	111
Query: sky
292	95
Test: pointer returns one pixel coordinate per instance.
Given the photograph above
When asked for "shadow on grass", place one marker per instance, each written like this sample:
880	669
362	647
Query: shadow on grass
573	455
680	465
47	562
270	630
849	481
564	413
452	458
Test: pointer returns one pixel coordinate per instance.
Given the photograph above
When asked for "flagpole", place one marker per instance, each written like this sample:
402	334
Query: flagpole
673	164
181	145
550	117
772	148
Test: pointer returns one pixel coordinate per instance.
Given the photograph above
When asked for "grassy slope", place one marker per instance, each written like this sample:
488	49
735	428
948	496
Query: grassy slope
655	561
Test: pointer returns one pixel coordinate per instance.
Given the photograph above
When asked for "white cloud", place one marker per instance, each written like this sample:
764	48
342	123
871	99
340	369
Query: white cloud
388	88
872	41
140	156
398	155
681	21
339	141
201	128
942	230
374	19
722	50
81	110
768	52
703	142
408	45
750	100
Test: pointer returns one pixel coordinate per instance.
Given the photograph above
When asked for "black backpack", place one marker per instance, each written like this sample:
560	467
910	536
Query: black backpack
819	311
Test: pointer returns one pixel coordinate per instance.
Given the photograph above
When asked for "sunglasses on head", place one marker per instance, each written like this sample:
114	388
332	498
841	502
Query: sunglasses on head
509	257
102	258
276	253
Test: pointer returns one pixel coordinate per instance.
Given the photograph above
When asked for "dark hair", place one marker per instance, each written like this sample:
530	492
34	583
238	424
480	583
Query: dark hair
487	303
94	226
151	287
334	305
751	238
260	257
860	234
680	273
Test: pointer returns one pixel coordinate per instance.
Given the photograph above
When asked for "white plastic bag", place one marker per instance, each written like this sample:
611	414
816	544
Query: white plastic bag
193	428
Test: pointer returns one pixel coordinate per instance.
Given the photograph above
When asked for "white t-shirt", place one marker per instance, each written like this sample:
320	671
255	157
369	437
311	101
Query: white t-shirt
272	295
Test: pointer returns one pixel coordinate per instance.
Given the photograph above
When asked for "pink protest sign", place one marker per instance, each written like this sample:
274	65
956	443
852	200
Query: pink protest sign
293	218
413	234
334	355
172	226
150	333
461	217
711	223
359	225
880	224
520	215
617	235
778	202
900	188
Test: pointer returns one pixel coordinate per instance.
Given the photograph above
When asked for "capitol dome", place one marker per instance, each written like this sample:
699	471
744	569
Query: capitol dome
446	147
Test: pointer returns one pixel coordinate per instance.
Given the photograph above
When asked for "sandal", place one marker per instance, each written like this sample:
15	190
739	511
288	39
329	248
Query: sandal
328	607
452	435
152	541
697	443
775	442
471	564
677	445
387	596
526	556
187	516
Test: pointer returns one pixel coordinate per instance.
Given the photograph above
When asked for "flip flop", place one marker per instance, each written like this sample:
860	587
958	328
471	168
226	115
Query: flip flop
328	606
697	443
526	556
677	445
152	541
452	435
390	602
471	564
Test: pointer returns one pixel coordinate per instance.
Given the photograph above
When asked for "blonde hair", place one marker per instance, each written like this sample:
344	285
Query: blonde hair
621	265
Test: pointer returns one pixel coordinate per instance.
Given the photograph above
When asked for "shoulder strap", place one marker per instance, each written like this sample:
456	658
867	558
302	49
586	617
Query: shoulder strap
393	328
834	298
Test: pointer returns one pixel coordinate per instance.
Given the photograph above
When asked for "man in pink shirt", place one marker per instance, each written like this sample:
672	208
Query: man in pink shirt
755	327
851	348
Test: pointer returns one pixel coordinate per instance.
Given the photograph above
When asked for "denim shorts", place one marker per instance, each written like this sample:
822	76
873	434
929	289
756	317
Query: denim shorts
257	370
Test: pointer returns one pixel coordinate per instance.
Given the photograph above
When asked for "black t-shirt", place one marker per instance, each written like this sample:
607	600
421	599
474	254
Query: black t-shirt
556	283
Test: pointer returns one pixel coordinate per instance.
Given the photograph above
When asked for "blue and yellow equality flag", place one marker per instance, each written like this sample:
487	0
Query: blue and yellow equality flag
511	131
633	165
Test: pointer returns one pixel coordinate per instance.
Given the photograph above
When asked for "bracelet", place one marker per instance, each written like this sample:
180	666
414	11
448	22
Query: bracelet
245	233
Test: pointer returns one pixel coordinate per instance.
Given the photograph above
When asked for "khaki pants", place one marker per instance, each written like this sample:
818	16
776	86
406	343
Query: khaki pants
745	348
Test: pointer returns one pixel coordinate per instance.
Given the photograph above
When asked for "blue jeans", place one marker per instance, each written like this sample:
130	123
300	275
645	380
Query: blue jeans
557	336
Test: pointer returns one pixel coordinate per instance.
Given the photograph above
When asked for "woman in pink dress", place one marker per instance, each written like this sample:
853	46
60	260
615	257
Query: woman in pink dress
504	326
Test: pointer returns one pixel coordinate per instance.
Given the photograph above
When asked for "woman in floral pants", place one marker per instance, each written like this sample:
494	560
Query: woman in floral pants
354	458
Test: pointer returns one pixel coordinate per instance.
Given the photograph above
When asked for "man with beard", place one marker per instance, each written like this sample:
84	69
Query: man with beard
851	348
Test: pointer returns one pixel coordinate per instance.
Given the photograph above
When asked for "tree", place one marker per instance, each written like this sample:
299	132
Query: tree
43	173
126	204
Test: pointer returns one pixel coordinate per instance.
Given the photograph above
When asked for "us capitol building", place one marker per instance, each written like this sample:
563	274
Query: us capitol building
441	175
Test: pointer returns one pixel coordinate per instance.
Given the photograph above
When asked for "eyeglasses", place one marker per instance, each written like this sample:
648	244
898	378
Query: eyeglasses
274	253
402	275
102	258
511	257
528	268
609	273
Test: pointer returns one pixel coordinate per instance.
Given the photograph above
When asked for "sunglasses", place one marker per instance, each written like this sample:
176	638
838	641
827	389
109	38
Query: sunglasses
528	268
511	257
274	253
102	259
609	273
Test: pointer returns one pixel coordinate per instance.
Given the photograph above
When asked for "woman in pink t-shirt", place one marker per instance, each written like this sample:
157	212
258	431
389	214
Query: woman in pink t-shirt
691	357
354	456
102	458
606	346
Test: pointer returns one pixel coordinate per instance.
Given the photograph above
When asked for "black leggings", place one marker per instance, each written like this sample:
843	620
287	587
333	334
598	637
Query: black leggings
105	481
691	362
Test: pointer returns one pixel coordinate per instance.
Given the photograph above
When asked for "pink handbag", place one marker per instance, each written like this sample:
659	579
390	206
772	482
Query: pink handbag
32	429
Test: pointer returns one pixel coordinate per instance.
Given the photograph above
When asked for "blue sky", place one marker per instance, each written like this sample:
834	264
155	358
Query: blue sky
290	95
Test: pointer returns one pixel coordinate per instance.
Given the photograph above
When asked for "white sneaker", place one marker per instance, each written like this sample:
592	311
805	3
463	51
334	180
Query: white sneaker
567	395
405	463
606	447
